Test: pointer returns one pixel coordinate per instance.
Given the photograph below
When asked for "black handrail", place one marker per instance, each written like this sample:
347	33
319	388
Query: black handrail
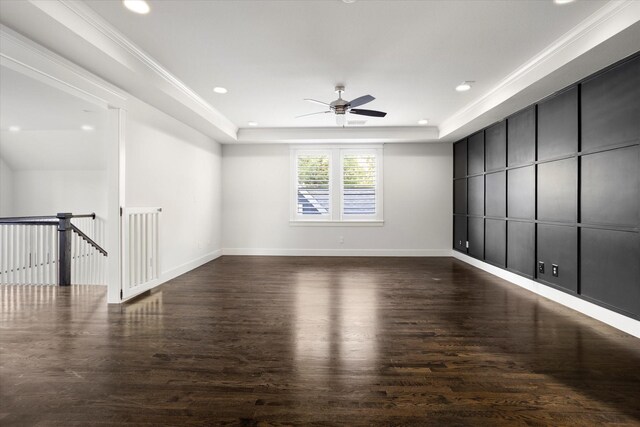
33	219
91	215
65	228
28	222
88	240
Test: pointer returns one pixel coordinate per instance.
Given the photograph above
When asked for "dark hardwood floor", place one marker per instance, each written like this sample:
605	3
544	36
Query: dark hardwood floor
313	341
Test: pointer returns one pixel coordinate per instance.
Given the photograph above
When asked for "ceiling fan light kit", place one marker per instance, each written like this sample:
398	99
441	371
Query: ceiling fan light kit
340	107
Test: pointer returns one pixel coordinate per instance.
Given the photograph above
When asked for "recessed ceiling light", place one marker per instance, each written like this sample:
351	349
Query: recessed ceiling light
87	127
348	1
563	1
423	122
253	123
14	128
219	89
137	6
464	86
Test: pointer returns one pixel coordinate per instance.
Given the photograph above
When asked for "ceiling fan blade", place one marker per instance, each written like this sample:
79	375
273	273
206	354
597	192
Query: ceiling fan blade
372	113
315	101
311	114
361	101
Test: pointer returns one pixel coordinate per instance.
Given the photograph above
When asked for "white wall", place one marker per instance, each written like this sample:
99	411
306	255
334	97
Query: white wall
417	205
47	192
6	189
173	166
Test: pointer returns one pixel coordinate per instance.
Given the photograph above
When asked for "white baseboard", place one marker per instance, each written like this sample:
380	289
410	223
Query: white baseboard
611	318
339	252
188	266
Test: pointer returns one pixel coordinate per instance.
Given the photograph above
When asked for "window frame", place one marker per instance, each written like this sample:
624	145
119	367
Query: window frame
336	216
294	161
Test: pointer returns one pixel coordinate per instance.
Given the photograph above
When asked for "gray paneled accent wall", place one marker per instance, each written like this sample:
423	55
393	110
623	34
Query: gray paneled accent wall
553	192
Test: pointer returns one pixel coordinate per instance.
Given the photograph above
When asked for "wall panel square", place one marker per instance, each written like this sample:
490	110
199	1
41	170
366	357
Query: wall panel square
521	247
611	268
496	194
558	125
495	143
522	137
558	244
566	133
460	159
557	191
610	187
611	106
495	242
475	153
521	193
460	233
475	204
475	235
460	196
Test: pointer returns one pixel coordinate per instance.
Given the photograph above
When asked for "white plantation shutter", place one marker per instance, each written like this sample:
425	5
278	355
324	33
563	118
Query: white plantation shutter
336	184
359	184
313	188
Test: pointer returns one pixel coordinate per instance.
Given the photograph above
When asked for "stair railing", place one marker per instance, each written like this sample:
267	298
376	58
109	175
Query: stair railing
46	249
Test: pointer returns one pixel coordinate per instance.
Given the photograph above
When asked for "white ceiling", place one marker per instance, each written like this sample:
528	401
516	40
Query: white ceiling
50	120
271	54
33	105
408	54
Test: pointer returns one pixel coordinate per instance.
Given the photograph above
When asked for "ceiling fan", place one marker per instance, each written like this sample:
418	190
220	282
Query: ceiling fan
341	106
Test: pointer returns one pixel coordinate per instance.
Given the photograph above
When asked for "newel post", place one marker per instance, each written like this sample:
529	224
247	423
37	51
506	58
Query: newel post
64	248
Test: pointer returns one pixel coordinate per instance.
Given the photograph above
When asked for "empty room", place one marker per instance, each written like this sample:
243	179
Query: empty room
320	212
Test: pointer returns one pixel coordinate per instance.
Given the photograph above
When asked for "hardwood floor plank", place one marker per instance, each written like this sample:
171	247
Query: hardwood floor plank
269	341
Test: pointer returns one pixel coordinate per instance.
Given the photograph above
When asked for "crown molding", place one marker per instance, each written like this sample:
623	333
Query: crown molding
551	69
25	56
606	22
83	21
337	135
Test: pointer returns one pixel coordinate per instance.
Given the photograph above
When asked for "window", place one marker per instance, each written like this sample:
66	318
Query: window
337	185
314	186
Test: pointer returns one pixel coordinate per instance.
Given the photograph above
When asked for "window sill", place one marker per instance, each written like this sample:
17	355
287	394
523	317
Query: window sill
321	223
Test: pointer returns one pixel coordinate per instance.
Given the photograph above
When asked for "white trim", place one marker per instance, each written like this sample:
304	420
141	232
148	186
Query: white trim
116	195
321	146
339	252
27	57
365	135
609	20
611	318
143	209
345	223
181	269
190	265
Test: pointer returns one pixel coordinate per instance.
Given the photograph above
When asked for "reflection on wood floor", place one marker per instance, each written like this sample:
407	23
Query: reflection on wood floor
313	341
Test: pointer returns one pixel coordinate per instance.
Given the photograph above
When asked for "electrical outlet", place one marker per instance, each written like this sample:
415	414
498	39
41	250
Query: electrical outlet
467	244
540	267
554	270
341	240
